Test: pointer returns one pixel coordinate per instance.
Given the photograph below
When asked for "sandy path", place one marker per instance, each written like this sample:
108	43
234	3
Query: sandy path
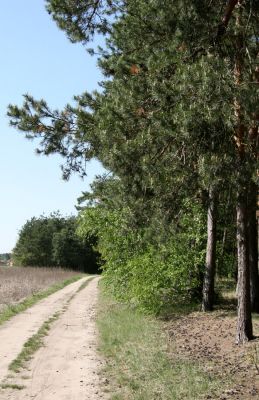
14	333
67	367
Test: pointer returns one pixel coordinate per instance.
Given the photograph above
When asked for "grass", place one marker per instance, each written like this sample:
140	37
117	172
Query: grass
11	386
13	309
34	343
138	363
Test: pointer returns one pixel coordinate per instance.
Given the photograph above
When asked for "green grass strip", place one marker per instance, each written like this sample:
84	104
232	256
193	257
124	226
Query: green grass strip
32	345
11	386
140	358
12	310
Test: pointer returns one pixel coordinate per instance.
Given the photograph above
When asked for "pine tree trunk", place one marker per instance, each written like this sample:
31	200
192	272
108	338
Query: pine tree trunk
244	319
209	276
253	249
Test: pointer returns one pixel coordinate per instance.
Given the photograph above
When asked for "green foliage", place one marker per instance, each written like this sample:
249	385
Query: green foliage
72	252
34	246
81	19
52	241
150	275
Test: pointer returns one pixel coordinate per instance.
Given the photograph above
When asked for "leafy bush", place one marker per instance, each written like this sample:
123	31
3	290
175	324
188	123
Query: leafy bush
149	275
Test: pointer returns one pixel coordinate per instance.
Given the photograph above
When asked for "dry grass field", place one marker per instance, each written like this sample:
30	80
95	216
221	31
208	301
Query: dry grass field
17	283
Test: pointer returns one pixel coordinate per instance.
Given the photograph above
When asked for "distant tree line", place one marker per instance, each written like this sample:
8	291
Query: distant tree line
5	256
52	241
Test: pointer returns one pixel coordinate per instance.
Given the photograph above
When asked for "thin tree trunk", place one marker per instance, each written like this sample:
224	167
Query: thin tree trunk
244	319
224	239
209	276
225	231
253	249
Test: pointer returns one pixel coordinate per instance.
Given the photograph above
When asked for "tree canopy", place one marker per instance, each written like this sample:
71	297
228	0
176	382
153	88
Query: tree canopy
53	242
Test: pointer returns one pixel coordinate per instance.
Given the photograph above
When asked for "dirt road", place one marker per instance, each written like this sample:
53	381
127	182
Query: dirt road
67	367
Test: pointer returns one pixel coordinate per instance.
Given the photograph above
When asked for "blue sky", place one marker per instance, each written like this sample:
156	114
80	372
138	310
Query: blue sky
37	58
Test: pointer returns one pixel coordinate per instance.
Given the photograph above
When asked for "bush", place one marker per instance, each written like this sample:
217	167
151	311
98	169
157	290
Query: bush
148	274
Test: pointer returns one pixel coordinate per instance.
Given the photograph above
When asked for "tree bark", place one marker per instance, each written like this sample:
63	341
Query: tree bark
210	267
230	6
253	249
244	319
